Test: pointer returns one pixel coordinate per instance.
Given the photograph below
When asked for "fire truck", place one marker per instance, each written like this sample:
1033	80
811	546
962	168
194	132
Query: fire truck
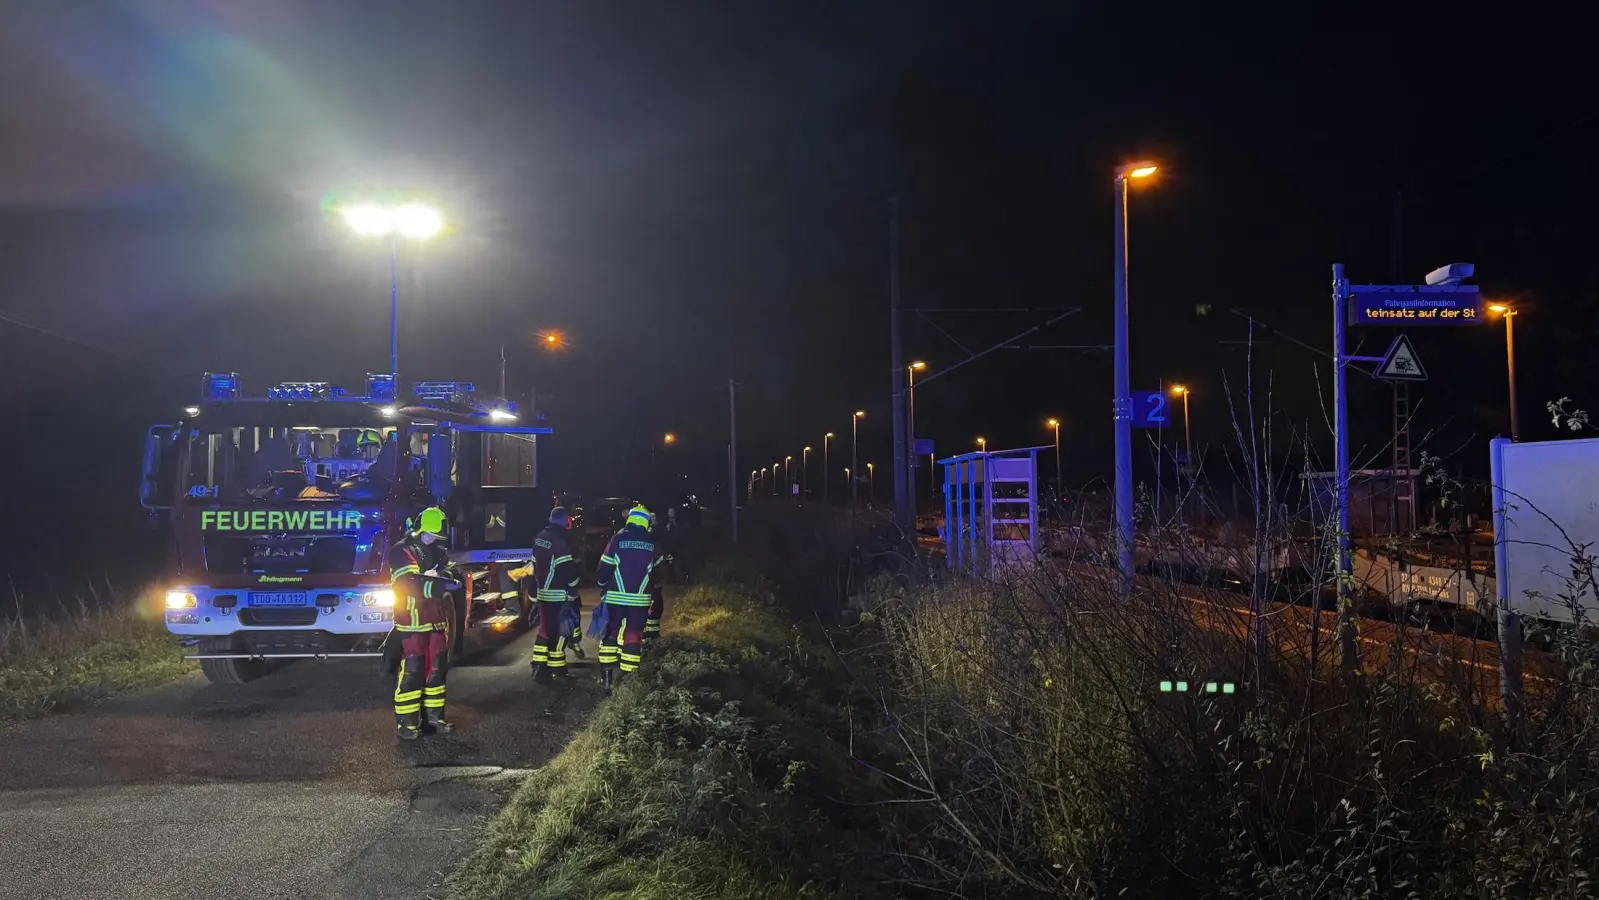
281	510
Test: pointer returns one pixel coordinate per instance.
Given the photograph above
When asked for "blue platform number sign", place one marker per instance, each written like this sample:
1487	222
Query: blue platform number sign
1150	409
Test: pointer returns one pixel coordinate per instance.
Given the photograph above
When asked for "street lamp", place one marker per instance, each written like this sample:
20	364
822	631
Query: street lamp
871	483
982	444
1055	424
910	426
854	441
805	470
774	477
826	438
788	480
1122	401
670	438
412	221
1509	313
1188	437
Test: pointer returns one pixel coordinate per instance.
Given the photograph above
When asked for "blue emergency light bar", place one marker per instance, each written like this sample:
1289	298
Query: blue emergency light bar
298	390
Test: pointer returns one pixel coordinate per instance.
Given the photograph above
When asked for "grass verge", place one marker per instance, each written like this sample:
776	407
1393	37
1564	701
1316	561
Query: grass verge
57	663
703	777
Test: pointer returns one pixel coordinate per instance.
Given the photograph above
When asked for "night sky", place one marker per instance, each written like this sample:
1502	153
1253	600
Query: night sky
693	191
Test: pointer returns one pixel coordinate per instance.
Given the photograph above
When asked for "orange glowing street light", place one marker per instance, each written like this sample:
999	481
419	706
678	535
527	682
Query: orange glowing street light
982	444
1509	312
1188	440
1055	424
854	444
671	438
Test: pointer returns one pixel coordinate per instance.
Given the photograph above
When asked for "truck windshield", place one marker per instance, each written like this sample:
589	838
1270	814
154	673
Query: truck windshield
248	464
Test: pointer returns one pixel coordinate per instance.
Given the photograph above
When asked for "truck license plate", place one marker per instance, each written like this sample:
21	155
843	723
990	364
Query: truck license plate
277	598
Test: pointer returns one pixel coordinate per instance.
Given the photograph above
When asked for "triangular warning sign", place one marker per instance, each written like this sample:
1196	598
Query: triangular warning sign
1401	363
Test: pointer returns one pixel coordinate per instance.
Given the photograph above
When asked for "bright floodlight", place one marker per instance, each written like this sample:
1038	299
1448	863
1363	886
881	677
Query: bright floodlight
191	411
417	222
500	415
369	219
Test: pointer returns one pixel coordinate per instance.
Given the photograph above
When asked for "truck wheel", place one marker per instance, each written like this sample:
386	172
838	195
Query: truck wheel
232	671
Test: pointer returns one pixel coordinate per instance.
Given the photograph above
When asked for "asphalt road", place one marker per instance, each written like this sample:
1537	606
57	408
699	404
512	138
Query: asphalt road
292	786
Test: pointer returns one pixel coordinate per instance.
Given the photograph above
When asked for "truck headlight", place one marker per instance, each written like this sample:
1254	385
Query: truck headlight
384	599
180	600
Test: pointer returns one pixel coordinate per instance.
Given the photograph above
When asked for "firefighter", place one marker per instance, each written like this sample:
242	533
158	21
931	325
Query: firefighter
556	594
421	616
624	576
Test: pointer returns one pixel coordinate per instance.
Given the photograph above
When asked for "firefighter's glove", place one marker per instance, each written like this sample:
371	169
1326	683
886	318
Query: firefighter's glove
519	574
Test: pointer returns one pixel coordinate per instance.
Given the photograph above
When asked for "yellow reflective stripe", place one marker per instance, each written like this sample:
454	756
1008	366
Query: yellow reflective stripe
434	703
405	709
427	589
403	571
560	559
436	690
610	559
623	598
552	595
407	696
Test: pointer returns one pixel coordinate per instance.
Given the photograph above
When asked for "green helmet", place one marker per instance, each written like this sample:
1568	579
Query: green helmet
640	516
368	438
431	521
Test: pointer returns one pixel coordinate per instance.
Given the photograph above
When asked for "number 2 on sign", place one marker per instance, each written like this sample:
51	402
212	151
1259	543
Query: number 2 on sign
1149	409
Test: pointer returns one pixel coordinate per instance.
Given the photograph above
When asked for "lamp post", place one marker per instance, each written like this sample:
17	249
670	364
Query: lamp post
788	479
1509	313
982	444
1188	437
1055	424
805	470
826	439
871	483
775	486
1122	401
410	220
854	445
910	426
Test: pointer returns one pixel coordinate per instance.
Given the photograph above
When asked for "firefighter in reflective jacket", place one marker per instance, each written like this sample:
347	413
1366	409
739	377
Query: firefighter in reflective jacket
556	595
624	576
421	616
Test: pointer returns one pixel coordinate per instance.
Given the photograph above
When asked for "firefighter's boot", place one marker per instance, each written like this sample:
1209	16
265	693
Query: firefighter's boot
407	732
541	673
608	678
436	722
